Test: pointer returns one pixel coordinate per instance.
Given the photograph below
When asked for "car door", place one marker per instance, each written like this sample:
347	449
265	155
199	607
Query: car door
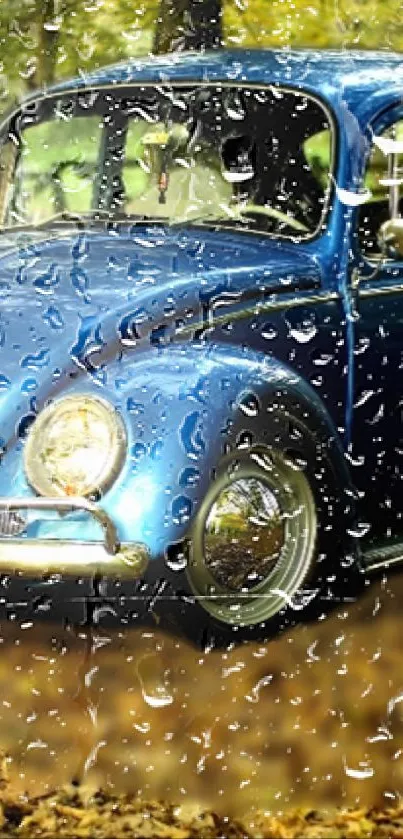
377	455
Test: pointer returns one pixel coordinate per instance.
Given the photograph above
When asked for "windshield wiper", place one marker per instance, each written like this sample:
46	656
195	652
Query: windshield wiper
88	215
65	215
243	214
81	218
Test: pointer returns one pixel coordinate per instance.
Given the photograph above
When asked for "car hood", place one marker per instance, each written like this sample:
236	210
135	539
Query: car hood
73	300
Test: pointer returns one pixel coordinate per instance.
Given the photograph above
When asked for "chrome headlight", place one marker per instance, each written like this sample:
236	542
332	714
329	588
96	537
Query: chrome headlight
76	446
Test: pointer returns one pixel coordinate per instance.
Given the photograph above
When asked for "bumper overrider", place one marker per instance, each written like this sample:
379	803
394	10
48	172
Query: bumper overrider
43	556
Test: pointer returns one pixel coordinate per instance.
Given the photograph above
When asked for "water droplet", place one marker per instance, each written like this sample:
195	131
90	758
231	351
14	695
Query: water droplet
47	282
300	599
190	435
269	332
262	683
359	530
189	477
394	701
366	771
249	405
80	281
154	689
321	359
5	383
29	385
156	450
176	560
365	395
181	509
134	407
36	361
138	451
36	744
303	333
53	318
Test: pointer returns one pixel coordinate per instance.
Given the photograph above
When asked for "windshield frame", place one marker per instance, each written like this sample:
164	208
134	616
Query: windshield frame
119	91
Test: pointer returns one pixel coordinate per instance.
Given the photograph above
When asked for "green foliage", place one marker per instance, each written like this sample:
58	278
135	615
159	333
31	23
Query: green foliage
42	40
364	24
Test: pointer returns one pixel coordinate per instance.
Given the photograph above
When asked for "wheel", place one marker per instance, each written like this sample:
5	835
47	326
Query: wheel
254	541
270	535
270	542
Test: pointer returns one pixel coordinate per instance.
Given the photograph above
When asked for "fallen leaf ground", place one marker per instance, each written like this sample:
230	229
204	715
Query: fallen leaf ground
104	816
312	720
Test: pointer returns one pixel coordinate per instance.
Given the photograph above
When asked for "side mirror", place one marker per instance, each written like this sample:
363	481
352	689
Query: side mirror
390	238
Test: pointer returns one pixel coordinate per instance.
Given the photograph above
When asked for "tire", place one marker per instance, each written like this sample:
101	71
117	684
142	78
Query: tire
241	593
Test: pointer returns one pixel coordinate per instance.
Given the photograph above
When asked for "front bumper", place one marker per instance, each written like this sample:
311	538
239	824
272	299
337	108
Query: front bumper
109	557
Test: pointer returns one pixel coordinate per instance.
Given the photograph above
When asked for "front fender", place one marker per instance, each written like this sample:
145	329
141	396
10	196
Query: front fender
183	405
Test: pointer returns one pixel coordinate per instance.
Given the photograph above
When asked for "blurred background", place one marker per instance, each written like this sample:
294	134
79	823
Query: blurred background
43	40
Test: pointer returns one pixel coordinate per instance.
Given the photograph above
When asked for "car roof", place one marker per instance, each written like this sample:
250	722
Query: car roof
365	81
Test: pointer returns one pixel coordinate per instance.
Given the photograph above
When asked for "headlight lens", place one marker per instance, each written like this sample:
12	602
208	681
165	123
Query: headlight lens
76	446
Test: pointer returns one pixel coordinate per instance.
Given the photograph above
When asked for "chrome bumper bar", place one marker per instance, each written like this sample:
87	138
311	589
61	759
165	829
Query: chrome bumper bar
61	556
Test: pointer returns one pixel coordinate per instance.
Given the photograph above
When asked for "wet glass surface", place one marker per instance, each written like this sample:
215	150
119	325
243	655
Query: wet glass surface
200	380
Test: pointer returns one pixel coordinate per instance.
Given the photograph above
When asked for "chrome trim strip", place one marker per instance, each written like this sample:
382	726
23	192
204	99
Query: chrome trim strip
383	563
259	308
64	505
382	557
378	291
38	557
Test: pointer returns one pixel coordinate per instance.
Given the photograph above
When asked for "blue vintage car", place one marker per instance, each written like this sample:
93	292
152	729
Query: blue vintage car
201	332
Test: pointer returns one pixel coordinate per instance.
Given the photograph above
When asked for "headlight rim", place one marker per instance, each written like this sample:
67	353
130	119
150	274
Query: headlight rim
34	468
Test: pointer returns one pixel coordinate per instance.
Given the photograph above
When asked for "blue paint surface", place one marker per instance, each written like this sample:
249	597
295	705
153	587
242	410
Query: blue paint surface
175	325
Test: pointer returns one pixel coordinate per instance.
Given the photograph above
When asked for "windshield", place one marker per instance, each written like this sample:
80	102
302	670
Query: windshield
253	158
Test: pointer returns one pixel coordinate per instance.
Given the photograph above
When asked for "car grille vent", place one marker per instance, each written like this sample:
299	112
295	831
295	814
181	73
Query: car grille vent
11	523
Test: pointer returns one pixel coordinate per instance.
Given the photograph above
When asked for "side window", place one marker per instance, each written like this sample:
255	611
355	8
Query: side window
55	171
318	156
383	183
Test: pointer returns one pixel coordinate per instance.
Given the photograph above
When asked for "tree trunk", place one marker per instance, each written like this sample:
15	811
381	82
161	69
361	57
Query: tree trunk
48	40
188	24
